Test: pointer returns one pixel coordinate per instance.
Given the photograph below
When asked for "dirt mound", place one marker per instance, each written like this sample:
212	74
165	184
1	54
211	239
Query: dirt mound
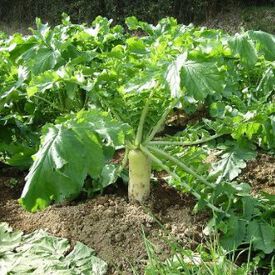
111	225
260	173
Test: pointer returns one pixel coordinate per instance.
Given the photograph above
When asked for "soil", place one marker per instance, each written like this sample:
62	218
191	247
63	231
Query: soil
110	224
113	226
230	21
234	19
260	174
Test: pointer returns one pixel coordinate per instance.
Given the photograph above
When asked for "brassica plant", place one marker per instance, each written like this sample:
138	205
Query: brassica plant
76	94
97	88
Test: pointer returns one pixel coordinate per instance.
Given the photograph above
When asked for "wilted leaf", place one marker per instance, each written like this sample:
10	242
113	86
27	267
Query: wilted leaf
41	253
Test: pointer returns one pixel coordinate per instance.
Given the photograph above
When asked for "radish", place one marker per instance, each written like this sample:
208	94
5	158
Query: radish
139	176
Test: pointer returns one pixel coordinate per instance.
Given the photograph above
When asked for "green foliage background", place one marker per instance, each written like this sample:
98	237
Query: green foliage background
86	10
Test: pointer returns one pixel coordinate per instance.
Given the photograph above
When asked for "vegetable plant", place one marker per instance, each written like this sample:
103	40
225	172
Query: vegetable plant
158	83
89	90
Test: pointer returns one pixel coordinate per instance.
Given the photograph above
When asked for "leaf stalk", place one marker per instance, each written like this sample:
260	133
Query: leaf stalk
159	124
181	165
175	176
182	143
142	120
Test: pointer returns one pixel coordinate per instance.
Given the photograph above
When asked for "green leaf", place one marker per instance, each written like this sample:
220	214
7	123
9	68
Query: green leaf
71	89
114	133
201	79
217	109
22	75
132	23
69	152
41	59
262	236
17	154
248	129
266	43
173	75
232	161
45	59
266	84
243	48
249	205
108	176
42	82
257	125
198	79
234	235
61	165
136	45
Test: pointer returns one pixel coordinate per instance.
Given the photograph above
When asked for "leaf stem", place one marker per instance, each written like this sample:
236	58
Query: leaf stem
181	165
174	175
182	143
142	121
159	124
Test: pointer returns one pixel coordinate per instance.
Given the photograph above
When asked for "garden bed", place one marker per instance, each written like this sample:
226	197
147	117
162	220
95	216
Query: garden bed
113	227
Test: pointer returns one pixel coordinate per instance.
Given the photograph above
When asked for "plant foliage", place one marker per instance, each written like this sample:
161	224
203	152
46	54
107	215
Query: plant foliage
64	80
41	253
